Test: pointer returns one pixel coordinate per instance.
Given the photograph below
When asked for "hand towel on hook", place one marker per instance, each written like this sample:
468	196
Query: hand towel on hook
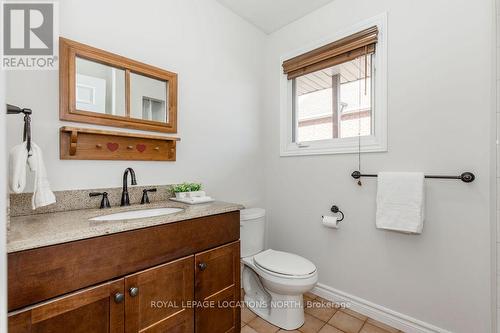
42	194
18	160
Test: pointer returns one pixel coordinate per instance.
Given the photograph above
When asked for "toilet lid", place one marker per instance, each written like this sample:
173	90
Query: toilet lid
251	213
284	263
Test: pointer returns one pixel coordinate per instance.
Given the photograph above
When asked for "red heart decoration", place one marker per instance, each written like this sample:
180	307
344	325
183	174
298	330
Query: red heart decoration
141	148
112	146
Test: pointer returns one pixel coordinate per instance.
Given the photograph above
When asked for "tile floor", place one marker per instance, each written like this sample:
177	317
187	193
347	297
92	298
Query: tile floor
321	316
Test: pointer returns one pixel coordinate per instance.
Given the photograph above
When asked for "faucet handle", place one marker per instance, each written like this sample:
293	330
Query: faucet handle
145	197
105	200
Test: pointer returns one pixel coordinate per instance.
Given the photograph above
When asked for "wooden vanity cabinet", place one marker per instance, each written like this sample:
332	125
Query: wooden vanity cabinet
167	297
217	284
91	310
158	299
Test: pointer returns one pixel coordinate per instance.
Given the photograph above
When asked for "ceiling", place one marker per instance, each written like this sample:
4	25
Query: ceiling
271	15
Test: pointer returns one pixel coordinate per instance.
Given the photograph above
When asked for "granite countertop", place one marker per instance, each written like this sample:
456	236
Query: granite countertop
33	231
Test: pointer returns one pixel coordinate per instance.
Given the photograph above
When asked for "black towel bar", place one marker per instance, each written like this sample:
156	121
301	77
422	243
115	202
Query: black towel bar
466	177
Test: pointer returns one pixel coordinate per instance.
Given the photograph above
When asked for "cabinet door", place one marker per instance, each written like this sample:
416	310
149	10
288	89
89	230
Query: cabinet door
99	310
217	283
157	299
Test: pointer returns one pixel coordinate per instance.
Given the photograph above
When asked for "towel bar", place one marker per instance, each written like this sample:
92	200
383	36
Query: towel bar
466	177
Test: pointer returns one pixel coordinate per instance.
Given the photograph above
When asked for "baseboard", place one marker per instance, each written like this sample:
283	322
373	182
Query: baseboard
392	318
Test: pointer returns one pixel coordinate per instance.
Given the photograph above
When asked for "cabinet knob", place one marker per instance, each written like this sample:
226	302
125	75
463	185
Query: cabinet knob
119	297
202	266
133	291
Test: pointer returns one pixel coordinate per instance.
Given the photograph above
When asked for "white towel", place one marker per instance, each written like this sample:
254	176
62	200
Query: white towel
18	159
42	194
400	201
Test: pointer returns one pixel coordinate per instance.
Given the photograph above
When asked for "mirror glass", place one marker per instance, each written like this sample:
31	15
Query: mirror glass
148	98
99	88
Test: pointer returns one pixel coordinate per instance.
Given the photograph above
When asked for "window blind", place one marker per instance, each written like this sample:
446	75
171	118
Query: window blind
343	50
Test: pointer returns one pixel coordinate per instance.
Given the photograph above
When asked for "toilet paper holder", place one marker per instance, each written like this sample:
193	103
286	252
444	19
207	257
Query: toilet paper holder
335	209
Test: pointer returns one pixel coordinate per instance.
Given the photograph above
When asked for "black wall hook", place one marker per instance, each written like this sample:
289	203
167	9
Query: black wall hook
12	109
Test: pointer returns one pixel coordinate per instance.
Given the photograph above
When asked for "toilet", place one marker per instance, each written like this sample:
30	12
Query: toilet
274	281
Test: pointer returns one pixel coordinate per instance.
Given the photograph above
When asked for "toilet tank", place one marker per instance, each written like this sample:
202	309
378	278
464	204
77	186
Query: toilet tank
252	228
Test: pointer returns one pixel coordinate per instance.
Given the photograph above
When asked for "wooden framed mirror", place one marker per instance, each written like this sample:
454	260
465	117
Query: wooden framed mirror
99	87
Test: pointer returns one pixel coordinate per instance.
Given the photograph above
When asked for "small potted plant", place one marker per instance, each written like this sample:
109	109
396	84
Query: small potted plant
188	190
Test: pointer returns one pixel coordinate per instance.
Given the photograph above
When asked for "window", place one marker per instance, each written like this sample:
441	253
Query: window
333	96
334	102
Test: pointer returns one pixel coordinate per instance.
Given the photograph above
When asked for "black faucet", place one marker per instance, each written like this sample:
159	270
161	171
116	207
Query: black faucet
125	197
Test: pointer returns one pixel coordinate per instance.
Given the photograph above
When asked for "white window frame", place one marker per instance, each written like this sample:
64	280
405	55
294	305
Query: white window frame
377	141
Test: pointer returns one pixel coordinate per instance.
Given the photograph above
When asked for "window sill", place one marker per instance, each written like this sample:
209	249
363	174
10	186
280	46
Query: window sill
369	144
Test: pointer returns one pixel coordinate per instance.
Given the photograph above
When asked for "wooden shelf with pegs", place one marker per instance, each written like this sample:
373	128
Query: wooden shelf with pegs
92	144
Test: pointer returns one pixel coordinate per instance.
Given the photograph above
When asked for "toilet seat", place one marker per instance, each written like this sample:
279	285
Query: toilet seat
284	265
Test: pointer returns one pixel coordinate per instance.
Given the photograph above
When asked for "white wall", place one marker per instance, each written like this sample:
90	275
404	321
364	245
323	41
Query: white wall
218	57
439	107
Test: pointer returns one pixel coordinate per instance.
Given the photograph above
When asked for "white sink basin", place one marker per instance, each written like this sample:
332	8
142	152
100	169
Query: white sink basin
137	214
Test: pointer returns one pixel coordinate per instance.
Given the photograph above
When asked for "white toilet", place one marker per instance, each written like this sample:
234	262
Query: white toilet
274	281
